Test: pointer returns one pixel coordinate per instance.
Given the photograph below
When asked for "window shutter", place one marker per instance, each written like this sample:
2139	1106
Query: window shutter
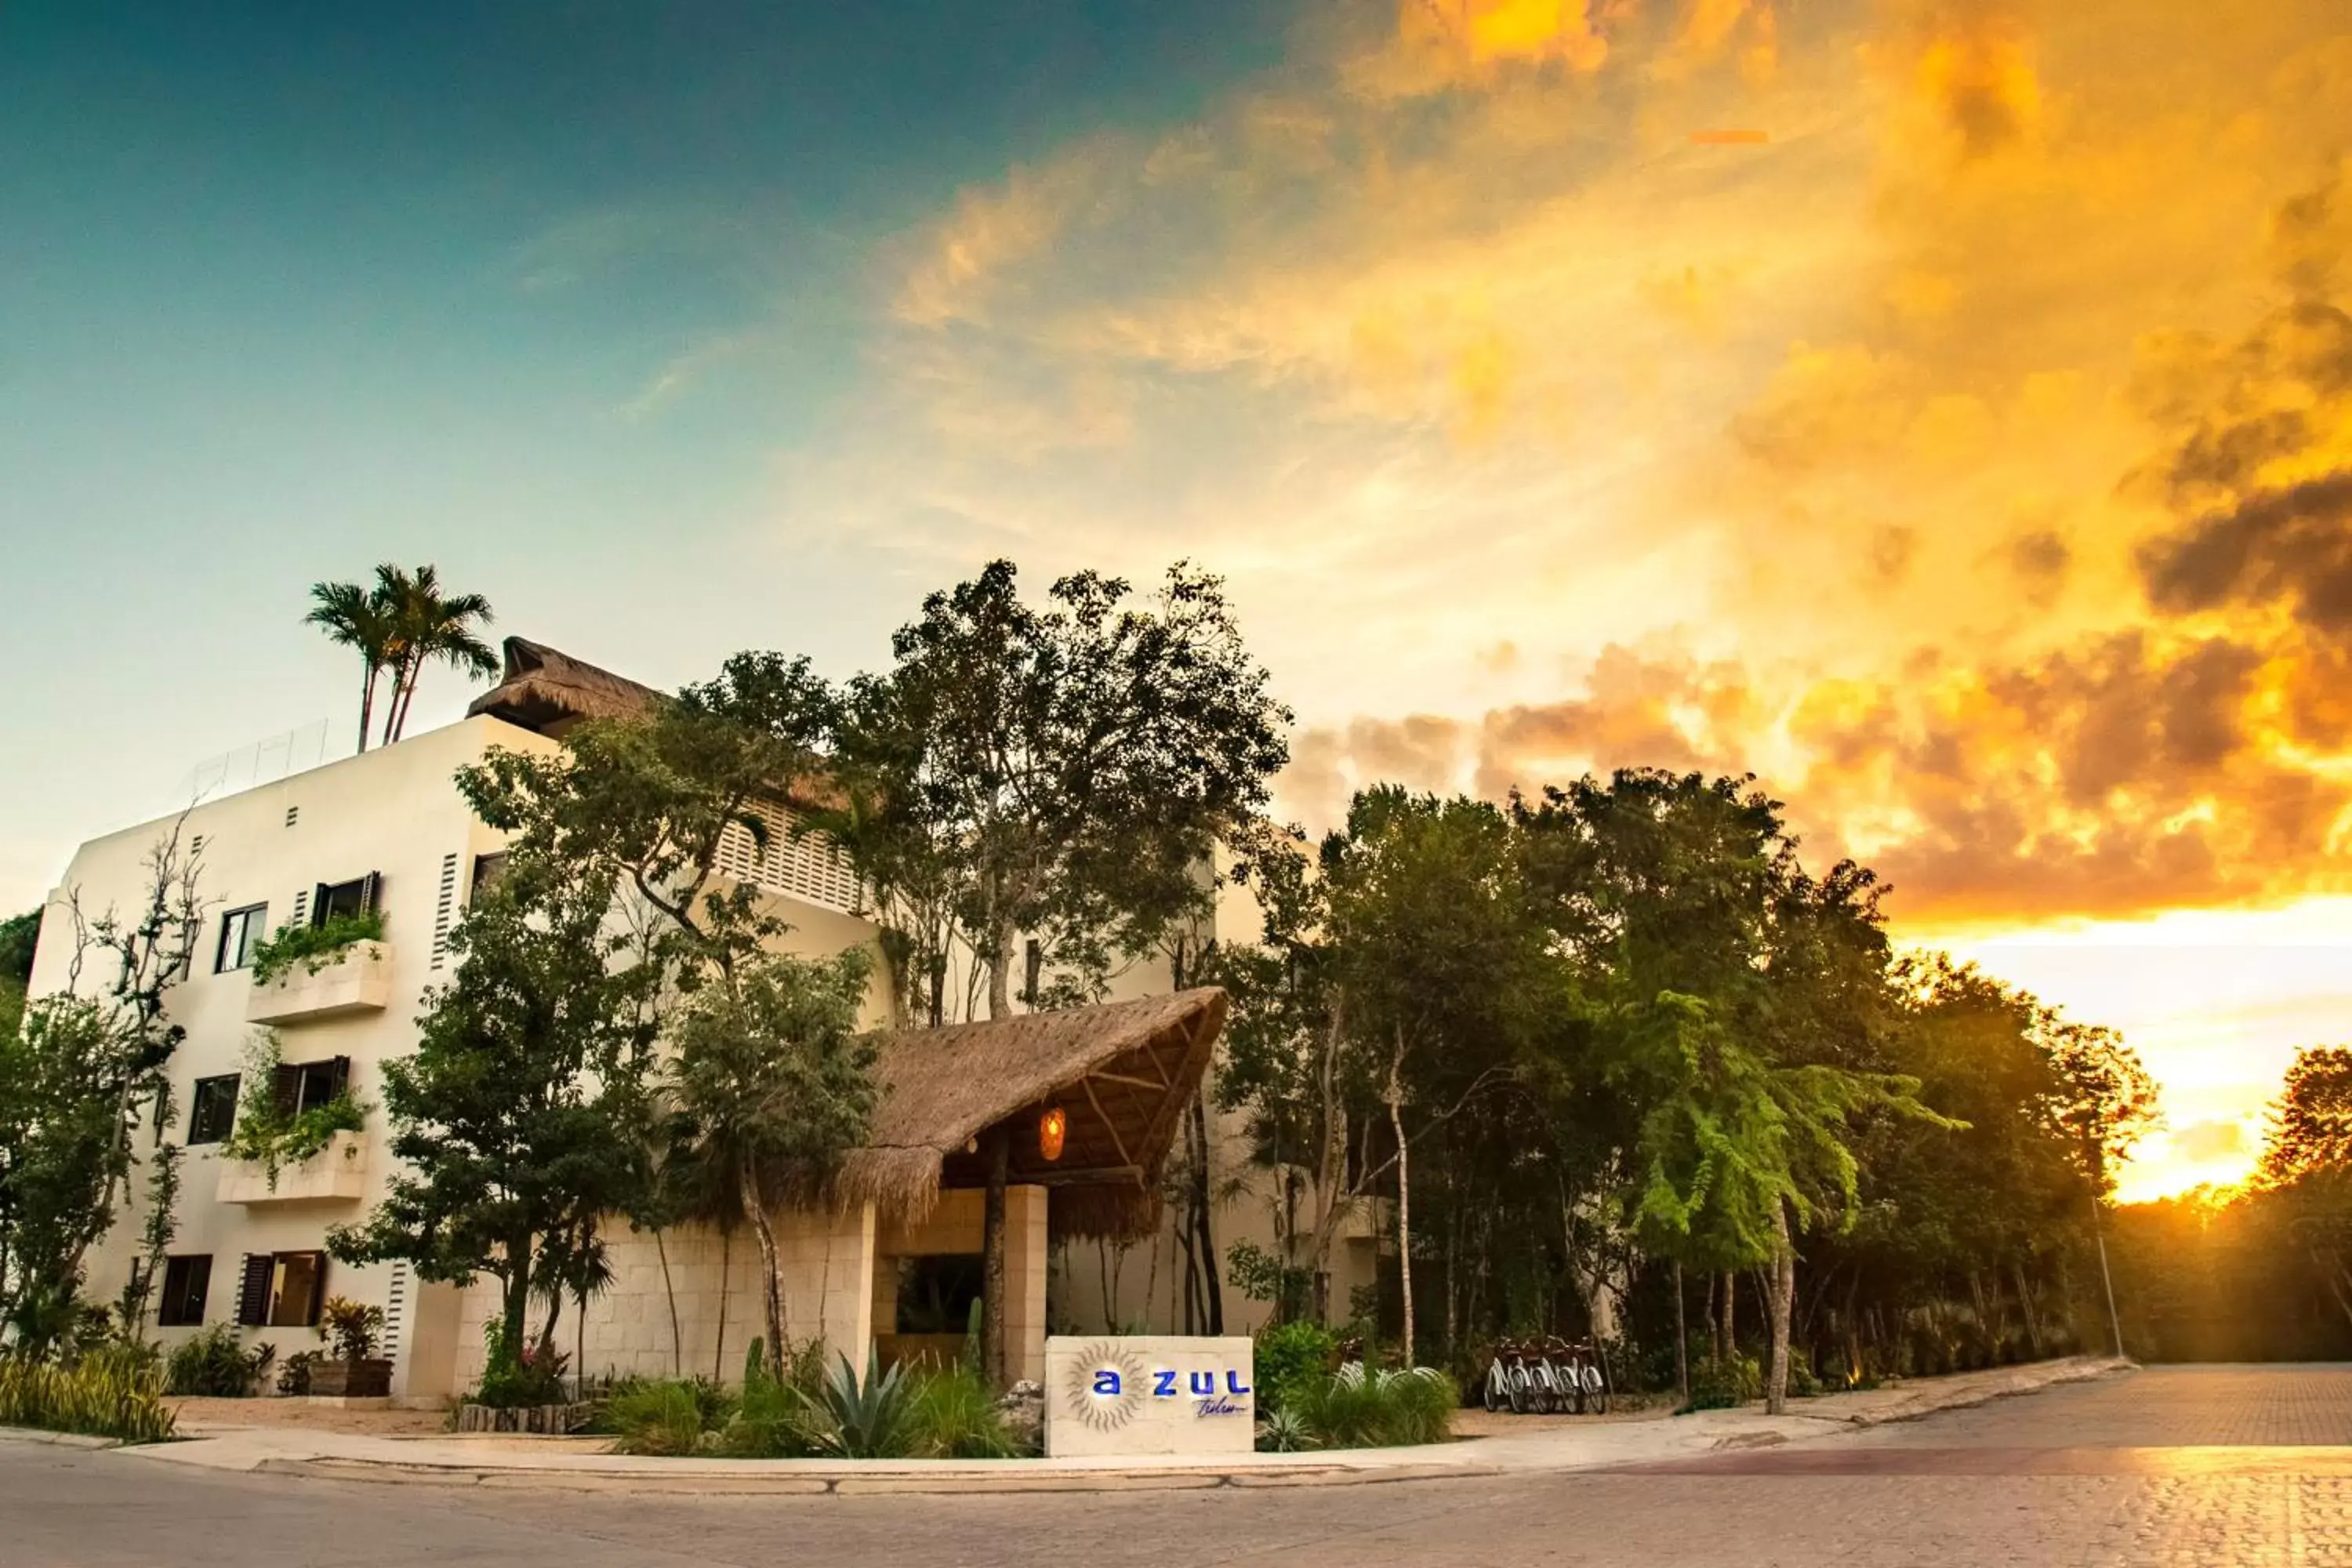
302	910
199	1284
252	1290
319	904
372	892
287	1085
443	906
338	1076
318	1288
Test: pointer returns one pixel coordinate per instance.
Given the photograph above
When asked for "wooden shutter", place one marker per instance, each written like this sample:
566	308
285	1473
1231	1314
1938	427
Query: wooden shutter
197	1287
339	1076
252	1290
318	899
371	891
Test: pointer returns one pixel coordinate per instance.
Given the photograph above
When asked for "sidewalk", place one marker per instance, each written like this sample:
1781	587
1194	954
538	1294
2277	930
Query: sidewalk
581	1465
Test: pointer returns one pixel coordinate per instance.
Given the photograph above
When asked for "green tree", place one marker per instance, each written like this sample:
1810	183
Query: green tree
424	626
519	1119
1062	771
2306	1175
19	934
83	1072
360	618
771	1083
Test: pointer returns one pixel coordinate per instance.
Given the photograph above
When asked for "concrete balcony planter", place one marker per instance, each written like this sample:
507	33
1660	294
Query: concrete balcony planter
336	1173
356	980
370	1378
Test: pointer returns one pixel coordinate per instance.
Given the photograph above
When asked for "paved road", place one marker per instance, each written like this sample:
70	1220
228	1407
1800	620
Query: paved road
2213	1468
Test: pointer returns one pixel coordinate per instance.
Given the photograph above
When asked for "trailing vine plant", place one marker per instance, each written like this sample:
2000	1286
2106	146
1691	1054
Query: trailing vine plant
313	947
269	1135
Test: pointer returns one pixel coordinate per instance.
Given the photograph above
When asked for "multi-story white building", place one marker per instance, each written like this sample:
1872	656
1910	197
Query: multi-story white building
387	830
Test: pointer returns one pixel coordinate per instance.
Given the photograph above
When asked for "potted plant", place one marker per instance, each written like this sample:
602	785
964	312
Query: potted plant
354	1371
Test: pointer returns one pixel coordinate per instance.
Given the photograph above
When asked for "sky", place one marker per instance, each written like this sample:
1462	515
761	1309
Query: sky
1942	409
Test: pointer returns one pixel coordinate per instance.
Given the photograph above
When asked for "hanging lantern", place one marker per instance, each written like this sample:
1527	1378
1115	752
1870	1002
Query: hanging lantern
1052	1128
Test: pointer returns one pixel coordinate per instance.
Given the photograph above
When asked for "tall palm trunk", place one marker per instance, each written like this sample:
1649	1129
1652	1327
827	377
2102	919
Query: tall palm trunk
670	1289
367	698
726	1259
1405	1191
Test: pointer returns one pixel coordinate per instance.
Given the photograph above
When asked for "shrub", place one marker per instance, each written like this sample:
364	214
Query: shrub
215	1364
313	947
864	1417
1287	1355
955	1417
1357	1407
265	1133
294	1377
1718	1387
666	1418
518	1381
355	1329
1283	1432
774	1421
112	1391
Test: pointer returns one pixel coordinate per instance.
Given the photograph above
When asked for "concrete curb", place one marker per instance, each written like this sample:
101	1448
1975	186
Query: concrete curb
56	1439
1483	1458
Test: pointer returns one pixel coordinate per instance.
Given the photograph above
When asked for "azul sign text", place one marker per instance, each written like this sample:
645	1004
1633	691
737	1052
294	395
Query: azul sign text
1150	1394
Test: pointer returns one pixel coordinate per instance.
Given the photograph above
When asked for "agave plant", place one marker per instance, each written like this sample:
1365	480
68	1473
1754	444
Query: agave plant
1283	1432
866	1417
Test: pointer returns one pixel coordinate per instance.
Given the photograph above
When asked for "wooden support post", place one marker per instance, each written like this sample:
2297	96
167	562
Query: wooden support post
997	1150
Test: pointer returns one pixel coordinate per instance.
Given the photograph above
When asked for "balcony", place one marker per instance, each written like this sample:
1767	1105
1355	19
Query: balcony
356	980
336	1173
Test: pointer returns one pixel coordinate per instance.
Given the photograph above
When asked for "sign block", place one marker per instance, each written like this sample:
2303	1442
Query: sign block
1150	1394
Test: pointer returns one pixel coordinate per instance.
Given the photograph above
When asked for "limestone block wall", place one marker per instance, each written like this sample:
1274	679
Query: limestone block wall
828	1277
954	1224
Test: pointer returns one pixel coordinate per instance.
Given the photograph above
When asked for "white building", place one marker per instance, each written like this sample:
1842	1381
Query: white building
387	830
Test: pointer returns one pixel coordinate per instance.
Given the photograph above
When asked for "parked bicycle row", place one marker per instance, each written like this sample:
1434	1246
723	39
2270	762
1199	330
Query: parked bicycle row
1546	1376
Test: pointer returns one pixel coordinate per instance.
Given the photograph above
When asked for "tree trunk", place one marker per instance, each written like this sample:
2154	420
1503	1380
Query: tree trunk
1404	1193
1731	1353
719	1352
1453	1255
995	1147
670	1289
2114	1320
1682	1341
2026	1305
1778	1306
367	705
517	1303
1215	1291
772	1271
999	970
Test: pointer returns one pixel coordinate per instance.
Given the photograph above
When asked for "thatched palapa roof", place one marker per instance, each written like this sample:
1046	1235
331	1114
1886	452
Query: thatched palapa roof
1122	1073
549	691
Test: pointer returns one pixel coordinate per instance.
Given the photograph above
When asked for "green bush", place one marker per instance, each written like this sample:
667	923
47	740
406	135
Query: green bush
869	1416
955	1417
1283	1432
1713	1386
667	1418
518	1381
1287	1355
215	1364
112	1391
1357	1407
774	1421
313	947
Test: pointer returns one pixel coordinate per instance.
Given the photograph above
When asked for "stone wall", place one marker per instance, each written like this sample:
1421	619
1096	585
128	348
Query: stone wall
828	1273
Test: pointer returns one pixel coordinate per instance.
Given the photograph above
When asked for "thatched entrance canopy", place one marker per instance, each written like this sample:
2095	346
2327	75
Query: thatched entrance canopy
549	691
1122	1074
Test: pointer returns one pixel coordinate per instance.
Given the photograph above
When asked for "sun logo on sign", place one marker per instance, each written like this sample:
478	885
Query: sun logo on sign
1106	1387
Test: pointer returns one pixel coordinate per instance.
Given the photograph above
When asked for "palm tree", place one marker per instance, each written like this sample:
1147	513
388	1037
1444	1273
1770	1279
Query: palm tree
426	627
357	619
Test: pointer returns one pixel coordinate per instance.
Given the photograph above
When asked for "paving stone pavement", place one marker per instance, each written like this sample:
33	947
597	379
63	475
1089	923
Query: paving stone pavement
2175	1467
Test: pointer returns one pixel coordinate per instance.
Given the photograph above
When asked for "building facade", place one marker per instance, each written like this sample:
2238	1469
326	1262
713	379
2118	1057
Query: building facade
387	831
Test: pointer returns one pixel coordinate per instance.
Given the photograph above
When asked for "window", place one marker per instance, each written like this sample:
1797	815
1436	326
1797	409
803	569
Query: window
212	1109
185	1280
488	870
936	1291
355	897
306	1085
241	931
281	1289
